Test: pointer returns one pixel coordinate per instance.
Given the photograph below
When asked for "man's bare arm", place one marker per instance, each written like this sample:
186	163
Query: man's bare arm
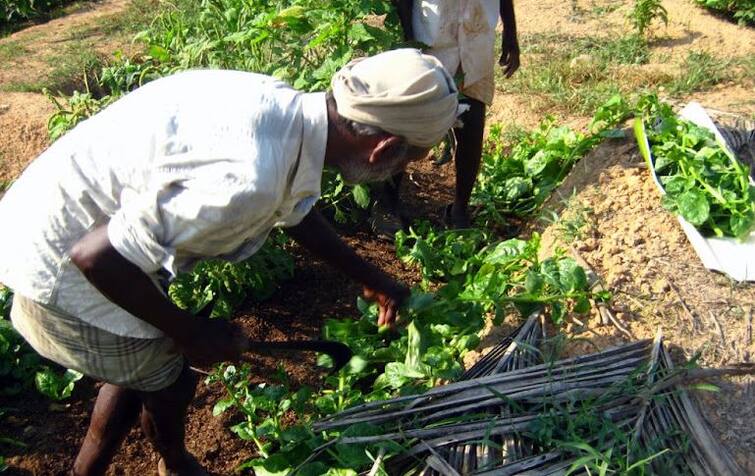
202	340
404	10
318	237
510	43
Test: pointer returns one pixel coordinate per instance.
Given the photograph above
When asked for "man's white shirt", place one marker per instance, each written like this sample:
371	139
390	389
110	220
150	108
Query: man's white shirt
460	33
197	165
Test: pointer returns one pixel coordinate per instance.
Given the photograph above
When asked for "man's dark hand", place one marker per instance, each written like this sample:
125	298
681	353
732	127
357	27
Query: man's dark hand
388	302
510	56
209	341
316	235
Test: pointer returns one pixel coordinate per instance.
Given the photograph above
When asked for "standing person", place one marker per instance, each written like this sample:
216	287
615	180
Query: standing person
202	164
461	34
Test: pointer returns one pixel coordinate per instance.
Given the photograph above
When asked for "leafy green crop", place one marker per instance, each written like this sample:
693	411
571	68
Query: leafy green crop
500	275
264	406
303	42
72	110
516	183
6	301
20	365
442	256
225	285
56	386
346	203
18	362
703	181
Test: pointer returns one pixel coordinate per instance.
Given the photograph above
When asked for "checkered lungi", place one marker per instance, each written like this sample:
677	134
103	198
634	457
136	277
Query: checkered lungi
141	364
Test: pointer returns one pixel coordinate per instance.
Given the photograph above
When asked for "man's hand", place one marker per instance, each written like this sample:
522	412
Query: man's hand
317	236
209	341
388	302
510	56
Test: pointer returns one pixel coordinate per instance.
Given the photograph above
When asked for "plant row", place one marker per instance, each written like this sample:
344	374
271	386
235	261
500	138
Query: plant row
468	279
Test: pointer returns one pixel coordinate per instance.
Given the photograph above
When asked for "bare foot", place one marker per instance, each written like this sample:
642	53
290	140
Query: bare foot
456	219
190	467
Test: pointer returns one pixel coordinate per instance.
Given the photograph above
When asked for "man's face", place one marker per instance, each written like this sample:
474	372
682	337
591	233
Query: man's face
388	164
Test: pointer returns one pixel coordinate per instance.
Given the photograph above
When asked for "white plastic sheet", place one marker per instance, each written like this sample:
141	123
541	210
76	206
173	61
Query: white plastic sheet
727	255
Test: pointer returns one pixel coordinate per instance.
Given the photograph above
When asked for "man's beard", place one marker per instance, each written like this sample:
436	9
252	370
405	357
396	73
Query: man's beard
354	173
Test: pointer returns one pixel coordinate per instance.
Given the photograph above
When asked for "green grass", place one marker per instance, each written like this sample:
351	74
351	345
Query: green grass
11	50
568	74
606	8
69	68
577	74
135	18
700	71
630	49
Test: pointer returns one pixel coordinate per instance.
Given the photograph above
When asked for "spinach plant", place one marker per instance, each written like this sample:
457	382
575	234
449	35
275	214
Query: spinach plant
703	181
516	181
224	286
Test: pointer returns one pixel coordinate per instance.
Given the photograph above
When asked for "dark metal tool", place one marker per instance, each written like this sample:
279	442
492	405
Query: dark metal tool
340	353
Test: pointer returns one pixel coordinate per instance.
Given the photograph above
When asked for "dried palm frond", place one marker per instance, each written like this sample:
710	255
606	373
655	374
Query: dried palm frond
482	425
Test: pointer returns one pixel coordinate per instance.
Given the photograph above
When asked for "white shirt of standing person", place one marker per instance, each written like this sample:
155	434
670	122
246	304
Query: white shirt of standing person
460	33
197	165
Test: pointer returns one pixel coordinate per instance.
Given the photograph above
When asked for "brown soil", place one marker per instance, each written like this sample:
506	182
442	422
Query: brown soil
23	122
634	245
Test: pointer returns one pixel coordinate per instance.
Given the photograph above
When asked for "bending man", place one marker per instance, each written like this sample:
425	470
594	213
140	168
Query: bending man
202	164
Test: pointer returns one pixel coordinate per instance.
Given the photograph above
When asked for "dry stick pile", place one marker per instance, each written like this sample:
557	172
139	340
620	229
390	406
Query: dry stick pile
480	425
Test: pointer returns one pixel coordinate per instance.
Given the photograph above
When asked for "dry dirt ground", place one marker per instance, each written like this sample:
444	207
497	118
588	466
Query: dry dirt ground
632	243
31	56
642	255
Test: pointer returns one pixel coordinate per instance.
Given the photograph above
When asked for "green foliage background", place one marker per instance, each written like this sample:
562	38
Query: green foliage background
743	11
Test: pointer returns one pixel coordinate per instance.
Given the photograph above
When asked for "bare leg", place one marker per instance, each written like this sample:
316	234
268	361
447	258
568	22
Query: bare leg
467	160
163	418
391	189
114	414
385	215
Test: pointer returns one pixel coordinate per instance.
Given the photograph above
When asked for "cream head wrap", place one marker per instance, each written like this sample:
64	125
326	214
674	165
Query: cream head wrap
403	92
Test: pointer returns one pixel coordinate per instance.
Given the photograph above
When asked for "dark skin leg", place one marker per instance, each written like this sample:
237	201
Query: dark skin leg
467	161
163	414
391	192
114	414
163	417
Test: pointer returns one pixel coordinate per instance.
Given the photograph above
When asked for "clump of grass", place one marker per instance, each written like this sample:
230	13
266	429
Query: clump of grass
611	6
12	50
630	49
699	71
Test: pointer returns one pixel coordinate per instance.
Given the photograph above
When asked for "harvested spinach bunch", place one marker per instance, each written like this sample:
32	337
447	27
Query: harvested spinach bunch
704	182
